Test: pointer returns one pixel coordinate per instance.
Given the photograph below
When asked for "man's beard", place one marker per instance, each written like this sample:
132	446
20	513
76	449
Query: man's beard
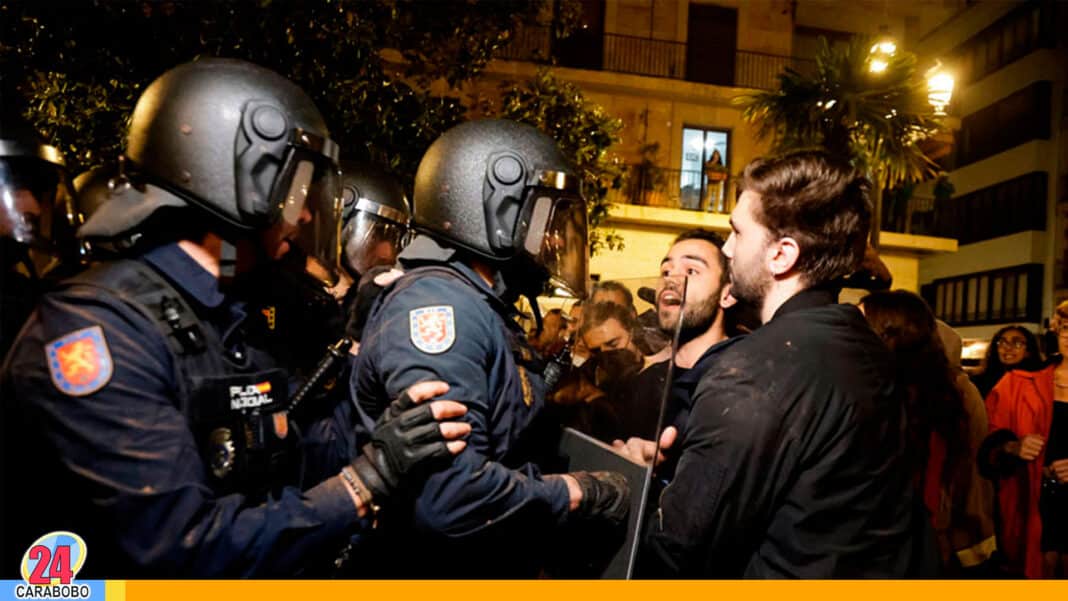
697	317
751	288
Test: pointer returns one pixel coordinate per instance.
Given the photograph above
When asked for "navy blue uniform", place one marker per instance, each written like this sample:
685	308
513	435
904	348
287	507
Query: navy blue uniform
113	455
451	326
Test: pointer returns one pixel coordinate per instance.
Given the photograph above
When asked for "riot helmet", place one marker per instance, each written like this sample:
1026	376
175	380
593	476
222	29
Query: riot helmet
35	200
502	191
110	184
374	220
241	143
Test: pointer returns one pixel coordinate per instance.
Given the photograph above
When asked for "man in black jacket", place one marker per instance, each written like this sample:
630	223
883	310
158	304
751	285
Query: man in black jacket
792	461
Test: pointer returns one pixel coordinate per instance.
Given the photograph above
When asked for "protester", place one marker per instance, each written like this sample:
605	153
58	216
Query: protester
1028	451
944	434
1012	347
793	463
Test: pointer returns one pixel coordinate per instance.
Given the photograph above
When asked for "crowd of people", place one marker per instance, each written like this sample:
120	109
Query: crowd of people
229	352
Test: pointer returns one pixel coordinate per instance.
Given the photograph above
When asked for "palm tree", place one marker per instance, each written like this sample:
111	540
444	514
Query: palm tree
861	102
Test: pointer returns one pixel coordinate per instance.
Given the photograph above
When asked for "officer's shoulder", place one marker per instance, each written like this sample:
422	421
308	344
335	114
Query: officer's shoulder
77	302
422	288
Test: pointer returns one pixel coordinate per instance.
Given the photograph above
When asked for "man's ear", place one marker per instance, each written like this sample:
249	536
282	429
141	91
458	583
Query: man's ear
726	299
782	256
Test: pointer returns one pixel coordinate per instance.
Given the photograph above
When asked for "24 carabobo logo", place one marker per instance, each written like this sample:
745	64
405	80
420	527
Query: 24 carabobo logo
49	566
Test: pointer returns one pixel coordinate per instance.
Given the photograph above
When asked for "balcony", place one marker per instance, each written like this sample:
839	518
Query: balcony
646	56
690	190
673	189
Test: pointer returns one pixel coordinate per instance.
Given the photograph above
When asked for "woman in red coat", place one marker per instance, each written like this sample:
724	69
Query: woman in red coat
1028	413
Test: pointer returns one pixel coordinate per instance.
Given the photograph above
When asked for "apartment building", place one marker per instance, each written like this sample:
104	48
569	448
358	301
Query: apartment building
670	70
1007	166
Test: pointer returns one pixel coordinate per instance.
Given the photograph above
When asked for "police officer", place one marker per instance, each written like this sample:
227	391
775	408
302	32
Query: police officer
498	214
135	413
34	207
375	227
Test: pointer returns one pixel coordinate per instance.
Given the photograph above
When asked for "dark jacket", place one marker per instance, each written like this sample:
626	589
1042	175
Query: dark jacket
441	321
791	463
117	459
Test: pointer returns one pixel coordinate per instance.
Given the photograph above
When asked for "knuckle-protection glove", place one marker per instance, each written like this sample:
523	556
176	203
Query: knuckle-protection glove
605	495
406	441
399	405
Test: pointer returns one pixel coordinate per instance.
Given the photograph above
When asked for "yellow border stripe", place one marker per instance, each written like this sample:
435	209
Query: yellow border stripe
115	590
540	590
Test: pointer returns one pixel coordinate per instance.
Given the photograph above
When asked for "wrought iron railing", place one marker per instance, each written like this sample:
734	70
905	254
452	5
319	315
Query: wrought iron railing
644	56
916	215
691	190
761	71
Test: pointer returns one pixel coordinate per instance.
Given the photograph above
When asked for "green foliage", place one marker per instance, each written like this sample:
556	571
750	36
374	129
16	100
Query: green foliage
88	61
875	119
80	68
583	131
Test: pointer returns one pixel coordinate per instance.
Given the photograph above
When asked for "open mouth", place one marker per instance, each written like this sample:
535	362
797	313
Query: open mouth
669	298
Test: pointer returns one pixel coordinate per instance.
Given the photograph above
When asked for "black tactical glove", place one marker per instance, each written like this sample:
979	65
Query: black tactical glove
605	496
405	443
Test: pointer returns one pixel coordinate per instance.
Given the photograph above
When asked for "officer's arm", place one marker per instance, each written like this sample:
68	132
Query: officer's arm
130	450
707	510
475	490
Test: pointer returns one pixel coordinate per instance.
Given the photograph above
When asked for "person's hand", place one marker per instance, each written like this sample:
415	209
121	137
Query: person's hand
1030	446
1059	469
640	450
598	495
408	439
387	278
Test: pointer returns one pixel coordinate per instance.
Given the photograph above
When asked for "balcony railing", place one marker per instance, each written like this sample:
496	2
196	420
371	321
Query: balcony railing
916	216
692	190
674	189
641	56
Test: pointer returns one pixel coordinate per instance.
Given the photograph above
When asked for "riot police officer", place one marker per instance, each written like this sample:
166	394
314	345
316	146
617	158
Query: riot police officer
136	415
498	214
375	227
34	212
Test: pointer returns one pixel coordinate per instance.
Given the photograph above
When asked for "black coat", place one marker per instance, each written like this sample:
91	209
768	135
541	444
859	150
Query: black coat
792	460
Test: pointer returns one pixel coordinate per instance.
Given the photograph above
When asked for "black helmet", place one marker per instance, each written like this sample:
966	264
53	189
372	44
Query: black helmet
240	142
35	201
374	219
502	190
110	185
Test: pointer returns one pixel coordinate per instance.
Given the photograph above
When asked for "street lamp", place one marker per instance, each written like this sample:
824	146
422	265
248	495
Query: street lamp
877	65
885	47
881	52
939	88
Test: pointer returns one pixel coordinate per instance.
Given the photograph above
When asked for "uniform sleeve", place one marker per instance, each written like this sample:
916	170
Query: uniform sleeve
710	507
130	448
475	491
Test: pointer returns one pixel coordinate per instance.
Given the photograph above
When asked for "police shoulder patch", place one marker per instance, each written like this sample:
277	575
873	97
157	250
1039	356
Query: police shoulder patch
80	362
432	329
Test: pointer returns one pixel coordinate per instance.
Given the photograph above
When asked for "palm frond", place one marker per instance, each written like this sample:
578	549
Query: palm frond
876	118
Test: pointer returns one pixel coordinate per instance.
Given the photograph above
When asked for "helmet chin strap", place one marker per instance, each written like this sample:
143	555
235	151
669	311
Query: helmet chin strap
516	280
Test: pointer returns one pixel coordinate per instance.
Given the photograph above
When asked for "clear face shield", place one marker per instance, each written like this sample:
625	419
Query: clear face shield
34	200
373	235
557	237
308	193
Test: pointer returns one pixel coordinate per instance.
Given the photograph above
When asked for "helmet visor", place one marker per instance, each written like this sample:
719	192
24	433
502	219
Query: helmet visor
370	240
308	194
29	192
557	239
